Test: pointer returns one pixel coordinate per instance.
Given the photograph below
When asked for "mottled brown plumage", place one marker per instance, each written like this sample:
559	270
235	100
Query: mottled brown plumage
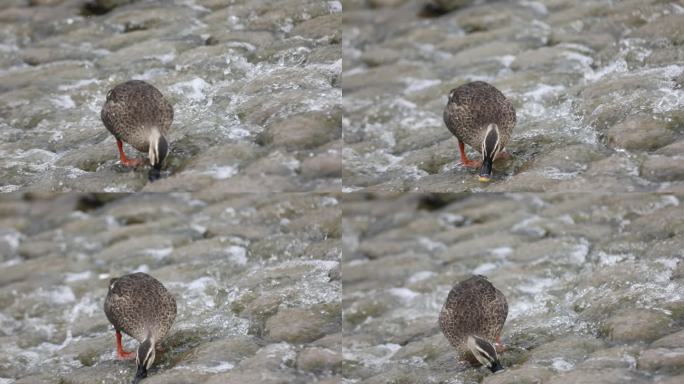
474	307
140	306
471	109
137	113
134	108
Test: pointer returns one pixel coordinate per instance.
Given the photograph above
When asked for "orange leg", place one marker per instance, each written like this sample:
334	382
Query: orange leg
464	158
120	351
126	161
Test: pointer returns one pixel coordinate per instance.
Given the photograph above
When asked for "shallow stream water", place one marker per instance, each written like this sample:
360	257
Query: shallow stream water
256	280
597	86
594	286
254	85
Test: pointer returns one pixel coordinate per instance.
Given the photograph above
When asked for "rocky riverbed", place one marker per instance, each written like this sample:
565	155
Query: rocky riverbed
597	86
255	86
256	279
594	285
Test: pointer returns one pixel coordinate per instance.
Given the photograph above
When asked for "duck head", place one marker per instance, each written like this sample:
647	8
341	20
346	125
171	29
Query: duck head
144	359
491	146
484	352
159	147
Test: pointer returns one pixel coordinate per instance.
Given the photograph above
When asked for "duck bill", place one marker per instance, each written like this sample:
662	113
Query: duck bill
141	374
496	367
486	170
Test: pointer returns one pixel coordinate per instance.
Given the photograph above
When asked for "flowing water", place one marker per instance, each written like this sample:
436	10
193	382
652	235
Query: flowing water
254	85
281	287
594	284
256	280
597	86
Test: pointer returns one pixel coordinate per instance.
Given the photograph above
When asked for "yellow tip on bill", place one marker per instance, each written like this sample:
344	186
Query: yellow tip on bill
484	179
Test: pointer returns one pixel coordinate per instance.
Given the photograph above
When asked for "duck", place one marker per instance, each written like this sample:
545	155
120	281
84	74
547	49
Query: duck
472	318
140	306
137	113
479	115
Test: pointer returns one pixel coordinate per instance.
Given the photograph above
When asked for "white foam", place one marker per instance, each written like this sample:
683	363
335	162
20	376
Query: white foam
536	6
9	188
584	60
159	253
164	58
484	268
77	84
609	259
501	252
63	101
415	85
222	367
144	268
197	291
237	254
554	173
79	276
351	189
404	294
449	219
58	295
334	6
562	365
542	90
419	276
149	74
579	252
222	172
328	201
191	89
506	60
617	66
431	245
12	238
374	357
537	285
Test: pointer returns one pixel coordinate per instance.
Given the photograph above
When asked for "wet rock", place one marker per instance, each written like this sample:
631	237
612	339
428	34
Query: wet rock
99	7
662	168
640	133
296	325
522	375
609	376
182	377
36	249
637	325
149	18
662	359
319	360
326	164
303	131
217	352
548	58
620	357
663	28
599	99
39	379
386	3
36	56
673	340
320	27
449	5
49	75
143	54
674	149
572	348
